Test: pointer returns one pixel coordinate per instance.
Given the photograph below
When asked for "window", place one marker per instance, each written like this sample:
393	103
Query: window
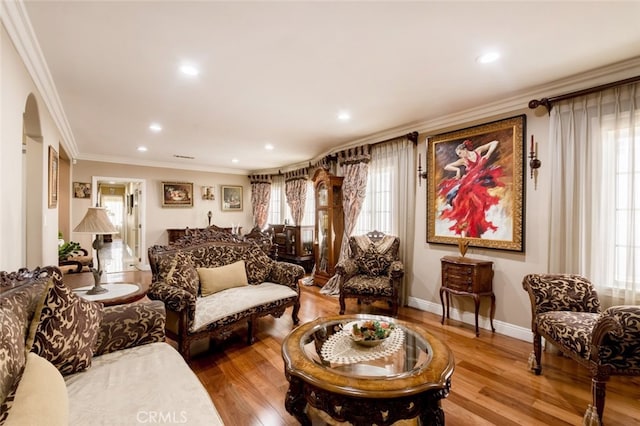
277	204
376	213
279	209
621	206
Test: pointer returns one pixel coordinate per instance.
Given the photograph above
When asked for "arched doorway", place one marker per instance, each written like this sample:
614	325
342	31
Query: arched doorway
32	181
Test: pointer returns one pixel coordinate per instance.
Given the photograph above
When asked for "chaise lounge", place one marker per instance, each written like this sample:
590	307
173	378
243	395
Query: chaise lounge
566	312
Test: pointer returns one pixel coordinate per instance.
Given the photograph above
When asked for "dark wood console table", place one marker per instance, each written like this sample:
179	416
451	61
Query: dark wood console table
463	276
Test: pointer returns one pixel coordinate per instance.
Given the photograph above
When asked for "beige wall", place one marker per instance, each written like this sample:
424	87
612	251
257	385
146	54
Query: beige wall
157	218
15	87
512	304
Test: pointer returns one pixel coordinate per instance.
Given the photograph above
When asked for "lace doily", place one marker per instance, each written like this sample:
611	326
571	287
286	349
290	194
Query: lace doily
341	349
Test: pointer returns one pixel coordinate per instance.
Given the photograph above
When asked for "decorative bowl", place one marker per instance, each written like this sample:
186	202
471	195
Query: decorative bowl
370	332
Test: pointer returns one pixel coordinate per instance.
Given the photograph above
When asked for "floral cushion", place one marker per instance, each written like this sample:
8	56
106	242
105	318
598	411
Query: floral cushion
373	263
65	328
13	317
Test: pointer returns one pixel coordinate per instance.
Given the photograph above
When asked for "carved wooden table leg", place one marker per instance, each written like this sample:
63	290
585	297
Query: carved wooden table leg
295	401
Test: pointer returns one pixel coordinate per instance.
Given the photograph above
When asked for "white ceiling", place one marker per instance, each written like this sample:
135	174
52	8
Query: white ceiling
280	72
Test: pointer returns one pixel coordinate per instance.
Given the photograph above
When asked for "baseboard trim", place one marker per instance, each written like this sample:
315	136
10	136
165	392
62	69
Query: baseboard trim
466	317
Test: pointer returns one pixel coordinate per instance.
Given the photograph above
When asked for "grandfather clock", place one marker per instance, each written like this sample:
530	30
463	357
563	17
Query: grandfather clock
329	225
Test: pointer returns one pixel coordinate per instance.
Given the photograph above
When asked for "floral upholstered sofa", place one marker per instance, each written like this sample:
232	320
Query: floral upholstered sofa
566	312
211	287
68	361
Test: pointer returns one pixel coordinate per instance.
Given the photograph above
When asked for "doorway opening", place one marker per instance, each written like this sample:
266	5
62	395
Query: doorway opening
123	199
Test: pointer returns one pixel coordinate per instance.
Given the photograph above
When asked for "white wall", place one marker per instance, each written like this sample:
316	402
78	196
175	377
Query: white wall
15	87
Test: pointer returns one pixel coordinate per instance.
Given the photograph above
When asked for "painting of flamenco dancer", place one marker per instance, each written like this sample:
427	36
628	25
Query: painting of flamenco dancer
475	188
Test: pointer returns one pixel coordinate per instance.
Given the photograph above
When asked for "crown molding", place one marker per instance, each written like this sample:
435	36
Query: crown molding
164	165
16	21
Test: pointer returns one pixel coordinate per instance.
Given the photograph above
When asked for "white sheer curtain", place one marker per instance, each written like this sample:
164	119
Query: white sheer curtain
390	196
595	198
277	204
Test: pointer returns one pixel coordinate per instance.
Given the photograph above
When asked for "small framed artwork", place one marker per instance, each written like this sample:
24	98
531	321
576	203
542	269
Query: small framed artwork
207	193
231	198
177	194
81	190
53	178
476	186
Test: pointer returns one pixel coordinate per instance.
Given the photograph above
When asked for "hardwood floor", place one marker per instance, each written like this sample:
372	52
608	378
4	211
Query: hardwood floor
491	384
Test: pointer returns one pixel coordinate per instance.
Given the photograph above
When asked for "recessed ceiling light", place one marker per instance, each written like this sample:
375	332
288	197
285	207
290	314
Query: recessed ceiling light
189	70
488	58
234	160
268	147
142	148
155	127
344	116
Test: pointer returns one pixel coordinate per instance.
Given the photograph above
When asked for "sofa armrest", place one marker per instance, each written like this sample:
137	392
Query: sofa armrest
396	269
615	339
560	292
175	298
347	268
126	326
286	274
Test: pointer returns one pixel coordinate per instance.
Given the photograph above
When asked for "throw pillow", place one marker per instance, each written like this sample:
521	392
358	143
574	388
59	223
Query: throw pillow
41	397
213	280
65	328
183	273
373	263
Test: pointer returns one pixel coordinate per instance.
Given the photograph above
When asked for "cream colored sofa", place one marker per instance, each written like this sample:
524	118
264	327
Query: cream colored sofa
67	361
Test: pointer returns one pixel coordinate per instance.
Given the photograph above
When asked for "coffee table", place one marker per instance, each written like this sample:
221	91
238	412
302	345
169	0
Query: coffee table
405	377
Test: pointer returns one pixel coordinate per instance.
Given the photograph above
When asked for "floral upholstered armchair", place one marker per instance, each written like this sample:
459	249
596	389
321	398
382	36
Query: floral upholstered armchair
566	312
374	271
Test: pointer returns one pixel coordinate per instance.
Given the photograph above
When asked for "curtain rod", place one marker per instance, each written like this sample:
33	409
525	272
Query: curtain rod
548	102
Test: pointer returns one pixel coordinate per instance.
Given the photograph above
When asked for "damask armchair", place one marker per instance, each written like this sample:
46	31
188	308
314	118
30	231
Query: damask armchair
566	312
373	272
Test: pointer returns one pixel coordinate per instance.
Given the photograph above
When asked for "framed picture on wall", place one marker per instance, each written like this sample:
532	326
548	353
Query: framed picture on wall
81	190
207	193
231	198
177	194
476	185
53	178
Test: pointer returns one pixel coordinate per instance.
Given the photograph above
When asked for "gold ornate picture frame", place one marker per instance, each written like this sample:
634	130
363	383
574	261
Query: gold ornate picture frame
476	185
231	198
177	194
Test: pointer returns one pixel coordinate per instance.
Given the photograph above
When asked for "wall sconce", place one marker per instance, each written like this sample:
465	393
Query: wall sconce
534	163
421	174
209	216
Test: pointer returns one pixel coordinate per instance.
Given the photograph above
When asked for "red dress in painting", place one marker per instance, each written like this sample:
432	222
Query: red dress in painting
469	198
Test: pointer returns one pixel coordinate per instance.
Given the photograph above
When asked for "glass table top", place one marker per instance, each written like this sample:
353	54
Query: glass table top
330	345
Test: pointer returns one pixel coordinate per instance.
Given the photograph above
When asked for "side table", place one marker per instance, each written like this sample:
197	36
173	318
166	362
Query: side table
117	294
463	276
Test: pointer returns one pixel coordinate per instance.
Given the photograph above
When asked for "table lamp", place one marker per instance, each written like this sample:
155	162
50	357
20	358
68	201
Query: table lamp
95	221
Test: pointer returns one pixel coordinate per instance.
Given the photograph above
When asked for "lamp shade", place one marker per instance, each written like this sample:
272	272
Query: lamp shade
96	221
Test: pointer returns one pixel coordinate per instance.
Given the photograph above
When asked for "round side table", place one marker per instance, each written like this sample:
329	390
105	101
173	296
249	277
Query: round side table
117	294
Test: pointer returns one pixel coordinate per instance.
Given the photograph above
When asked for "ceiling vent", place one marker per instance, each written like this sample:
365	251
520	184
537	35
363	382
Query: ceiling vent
187	157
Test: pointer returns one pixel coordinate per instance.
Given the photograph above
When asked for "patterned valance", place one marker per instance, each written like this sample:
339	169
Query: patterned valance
302	173
354	155
260	178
